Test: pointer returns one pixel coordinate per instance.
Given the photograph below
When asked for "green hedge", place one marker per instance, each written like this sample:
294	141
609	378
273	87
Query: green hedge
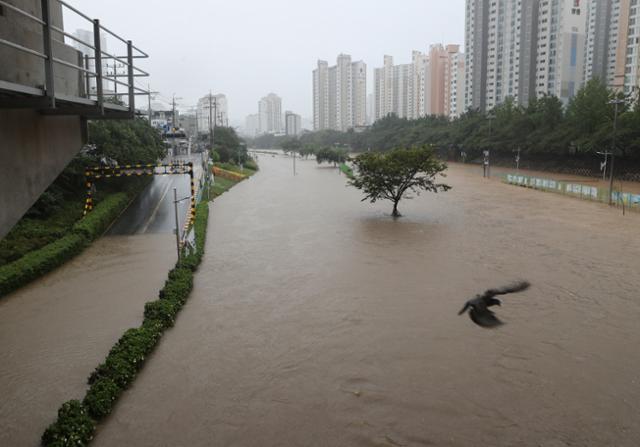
41	261
38	262
74	427
126	358
97	221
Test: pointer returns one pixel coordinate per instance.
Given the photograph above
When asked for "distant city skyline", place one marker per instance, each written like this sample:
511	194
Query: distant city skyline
246	48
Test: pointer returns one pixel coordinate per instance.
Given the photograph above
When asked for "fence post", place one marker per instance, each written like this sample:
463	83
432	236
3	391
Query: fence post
50	88
98	53
132	96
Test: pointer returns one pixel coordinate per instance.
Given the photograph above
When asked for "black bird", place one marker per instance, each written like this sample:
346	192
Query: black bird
479	305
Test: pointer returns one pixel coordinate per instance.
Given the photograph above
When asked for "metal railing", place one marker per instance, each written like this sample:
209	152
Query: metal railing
51	62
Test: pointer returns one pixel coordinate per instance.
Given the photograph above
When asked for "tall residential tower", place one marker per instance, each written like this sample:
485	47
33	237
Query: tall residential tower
340	94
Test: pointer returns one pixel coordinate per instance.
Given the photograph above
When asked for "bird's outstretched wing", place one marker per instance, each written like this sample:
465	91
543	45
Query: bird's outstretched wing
511	288
484	318
464	309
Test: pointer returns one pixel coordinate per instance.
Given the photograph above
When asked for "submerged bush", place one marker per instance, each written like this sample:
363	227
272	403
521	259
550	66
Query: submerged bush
73	427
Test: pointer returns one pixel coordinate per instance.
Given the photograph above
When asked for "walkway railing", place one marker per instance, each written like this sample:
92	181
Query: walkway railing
95	101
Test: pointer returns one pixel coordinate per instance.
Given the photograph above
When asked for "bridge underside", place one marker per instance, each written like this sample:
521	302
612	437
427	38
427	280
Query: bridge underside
34	149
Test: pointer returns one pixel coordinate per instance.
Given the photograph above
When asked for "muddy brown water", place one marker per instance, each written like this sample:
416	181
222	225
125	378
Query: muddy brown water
55	331
317	320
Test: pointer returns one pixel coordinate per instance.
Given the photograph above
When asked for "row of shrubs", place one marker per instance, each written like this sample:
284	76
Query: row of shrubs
77	420
41	261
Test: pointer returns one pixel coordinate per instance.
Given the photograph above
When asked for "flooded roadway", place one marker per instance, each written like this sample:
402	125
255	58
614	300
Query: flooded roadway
55	331
317	320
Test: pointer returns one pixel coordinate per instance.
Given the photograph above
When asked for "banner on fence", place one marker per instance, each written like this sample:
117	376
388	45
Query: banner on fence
574	189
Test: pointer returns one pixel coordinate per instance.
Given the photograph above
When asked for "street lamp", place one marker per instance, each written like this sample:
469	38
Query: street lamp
486	171
615	103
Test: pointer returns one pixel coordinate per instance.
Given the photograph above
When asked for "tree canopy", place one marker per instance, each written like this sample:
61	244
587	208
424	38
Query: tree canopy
126	141
544	126
394	174
228	146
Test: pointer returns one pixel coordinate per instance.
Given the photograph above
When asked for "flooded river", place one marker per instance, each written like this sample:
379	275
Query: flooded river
317	320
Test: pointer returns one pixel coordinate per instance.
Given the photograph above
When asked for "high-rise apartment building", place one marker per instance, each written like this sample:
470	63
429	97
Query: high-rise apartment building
476	39
340	94
454	83
270	114
212	110
252	125
420	64
383	89
518	49
561	48
438	68
612	38
321	96
292	123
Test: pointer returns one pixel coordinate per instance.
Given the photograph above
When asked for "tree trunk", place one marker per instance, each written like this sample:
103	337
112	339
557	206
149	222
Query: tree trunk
395	213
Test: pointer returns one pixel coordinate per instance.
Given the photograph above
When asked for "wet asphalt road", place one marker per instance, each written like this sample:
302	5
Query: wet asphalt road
152	211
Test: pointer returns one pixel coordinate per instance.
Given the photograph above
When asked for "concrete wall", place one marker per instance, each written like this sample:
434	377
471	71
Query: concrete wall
34	149
22	68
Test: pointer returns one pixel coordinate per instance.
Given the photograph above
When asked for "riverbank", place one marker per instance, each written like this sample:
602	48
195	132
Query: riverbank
77	420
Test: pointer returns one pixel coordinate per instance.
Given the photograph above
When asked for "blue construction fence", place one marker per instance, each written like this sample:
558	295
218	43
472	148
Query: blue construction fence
578	190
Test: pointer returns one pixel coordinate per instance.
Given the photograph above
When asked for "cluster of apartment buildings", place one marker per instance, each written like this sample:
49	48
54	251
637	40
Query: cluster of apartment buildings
524	49
270	120
518	49
431	84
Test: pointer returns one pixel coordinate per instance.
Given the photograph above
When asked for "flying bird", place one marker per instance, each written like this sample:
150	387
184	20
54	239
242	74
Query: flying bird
478	306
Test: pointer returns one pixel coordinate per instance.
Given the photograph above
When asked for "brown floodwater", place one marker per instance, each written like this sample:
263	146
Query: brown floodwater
55	331
317	320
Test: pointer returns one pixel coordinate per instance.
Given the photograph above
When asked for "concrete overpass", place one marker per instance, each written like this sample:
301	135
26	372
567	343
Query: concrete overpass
48	91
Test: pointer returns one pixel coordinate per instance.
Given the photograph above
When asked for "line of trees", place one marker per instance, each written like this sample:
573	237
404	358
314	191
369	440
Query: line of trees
545	127
228	147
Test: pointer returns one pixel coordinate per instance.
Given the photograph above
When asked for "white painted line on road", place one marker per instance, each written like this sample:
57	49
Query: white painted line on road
155	211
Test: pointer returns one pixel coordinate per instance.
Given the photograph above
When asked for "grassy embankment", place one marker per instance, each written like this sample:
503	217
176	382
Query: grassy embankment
77	419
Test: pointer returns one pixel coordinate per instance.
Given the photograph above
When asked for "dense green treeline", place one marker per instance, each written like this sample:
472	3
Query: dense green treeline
545	127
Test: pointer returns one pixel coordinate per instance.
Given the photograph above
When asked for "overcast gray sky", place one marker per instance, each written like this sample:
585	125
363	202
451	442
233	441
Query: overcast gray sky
248	48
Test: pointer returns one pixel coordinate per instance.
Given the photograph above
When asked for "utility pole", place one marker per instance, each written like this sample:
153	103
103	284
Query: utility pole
173	104
487	154
175	207
605	164
210	121
149	98
615	103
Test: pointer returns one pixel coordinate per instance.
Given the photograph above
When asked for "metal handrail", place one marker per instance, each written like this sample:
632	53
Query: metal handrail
71	36
130	70
21	48
81	14
23	13
71	65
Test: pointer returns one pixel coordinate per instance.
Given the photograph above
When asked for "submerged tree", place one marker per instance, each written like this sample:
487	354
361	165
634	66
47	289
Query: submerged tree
392	175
